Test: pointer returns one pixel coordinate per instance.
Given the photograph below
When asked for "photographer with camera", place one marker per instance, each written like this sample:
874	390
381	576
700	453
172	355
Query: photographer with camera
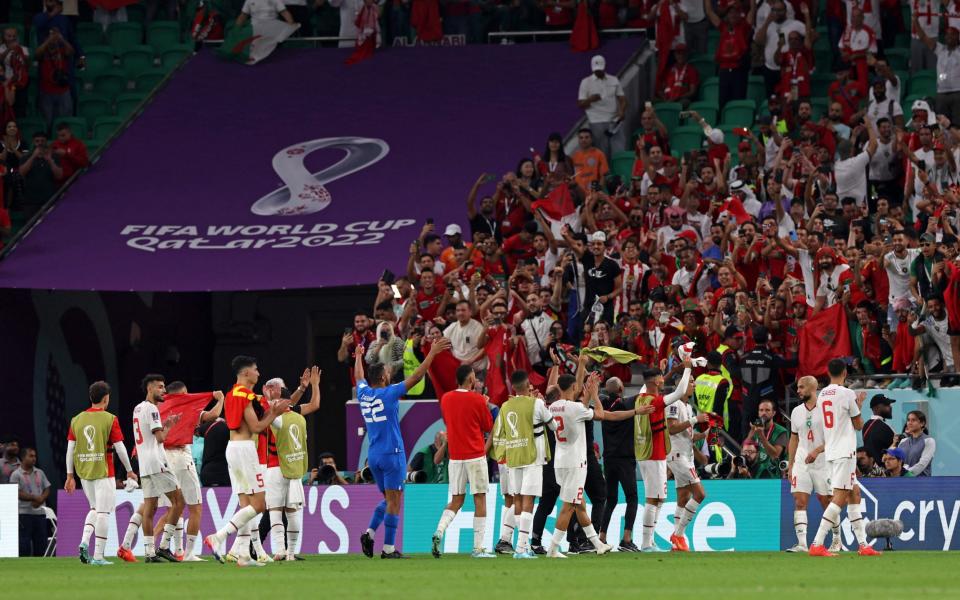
327	473
430	463
770	440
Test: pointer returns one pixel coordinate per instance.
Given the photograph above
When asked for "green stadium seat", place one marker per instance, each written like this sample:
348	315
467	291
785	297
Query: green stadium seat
92	106
163	35
713	40
622	164
104	127
738	113
820	83
136	13
99	59
170	59
822	44
110	84
127	103
669	113
706	66
78	125
89	34
707	110
710	90
823	60
31	125
757	90
125	35
148	80
898	58
136	60
923	83
904	77
93	146
819	107
687	138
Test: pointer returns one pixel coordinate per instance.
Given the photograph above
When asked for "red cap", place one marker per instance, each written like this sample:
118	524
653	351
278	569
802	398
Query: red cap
688	235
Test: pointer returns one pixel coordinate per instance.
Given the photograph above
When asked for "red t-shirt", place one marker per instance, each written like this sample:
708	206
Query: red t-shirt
795	68
74	156
877	276
514	248
53	61
428	305
115	436
467	418
234	403
680	81
4	220
733	44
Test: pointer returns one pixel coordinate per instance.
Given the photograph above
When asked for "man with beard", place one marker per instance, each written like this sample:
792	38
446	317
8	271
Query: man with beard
881	105
833	279
897	264
936	328
485	219
926	270
877	435
885	165
602	277
691	279
774	27
674	227
360	335
747	260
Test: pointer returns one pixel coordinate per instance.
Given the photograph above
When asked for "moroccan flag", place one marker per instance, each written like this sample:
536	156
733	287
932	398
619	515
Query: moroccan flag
255	40
189	407
667	29
443	373
362	51
824	336
558	209
519	361
584	36
734	207
496	351
425	19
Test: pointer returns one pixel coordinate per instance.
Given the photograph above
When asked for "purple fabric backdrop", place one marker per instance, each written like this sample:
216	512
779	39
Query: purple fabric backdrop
333	518
221	136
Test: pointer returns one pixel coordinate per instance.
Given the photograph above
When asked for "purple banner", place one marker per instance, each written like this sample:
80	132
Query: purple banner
300	172
333	518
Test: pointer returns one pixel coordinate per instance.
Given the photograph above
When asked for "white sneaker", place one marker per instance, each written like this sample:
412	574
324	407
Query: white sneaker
264	558
798	548
246	561
556	554
604	548
193	558
835	545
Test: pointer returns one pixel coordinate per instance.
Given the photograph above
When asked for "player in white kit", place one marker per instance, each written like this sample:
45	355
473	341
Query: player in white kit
570	460
839	407
690	493
808	464
156	476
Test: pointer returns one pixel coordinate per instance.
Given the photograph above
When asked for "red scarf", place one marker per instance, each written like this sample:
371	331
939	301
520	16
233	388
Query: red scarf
189	407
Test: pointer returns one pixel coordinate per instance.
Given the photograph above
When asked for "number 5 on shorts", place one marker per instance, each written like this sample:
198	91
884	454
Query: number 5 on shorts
260	480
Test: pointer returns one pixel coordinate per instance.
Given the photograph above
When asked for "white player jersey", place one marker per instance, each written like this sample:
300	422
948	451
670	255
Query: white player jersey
571	434
681	443
837	406
808	425
150	453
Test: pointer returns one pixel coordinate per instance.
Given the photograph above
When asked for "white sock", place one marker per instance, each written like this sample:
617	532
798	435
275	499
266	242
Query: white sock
857	523
241	545
371	532
132	528
191	545
689	511
148	548
177	541
479	528
238	520
445	519
100	530
677	516
525	524
558	535
591	534
836	535
649	524
168	531
277	539
831	518
294	523
507	524
800	526
255	534
388	548
89	523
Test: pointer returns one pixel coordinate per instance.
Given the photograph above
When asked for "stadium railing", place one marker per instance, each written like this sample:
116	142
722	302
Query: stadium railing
507	35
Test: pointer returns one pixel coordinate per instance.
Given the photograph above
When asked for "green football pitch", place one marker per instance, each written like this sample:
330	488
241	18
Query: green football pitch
696	575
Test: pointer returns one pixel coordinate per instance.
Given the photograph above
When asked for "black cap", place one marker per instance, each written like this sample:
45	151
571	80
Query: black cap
881	399
714	358
732	331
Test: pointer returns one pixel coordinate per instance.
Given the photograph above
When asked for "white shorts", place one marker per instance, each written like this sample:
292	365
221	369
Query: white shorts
505	484
843	473
283	492
571	480
806	479
654	474
100	493
472	471
246	472
527	481
158	484
181	463
684	473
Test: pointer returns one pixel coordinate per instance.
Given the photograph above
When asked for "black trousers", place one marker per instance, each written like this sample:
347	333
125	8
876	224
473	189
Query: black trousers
33	535
620	472
735	412
302	14
548	500
596	491
732	84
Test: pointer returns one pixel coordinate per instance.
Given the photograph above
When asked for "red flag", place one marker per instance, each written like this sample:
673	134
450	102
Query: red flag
362	52
558	203
368	30
425	19
189	407
496	351
443	373
519	361
666	31
584	36
825	336
735	208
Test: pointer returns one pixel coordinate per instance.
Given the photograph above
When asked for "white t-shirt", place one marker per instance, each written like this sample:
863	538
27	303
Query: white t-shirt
263	10
684	279
898	273
764	9
773	33
937	330
535	332
880	163
150	453
808	425
948	69
806	267
571	433
463	338
681	443
829	287
838	406
609	89
889	108
851	176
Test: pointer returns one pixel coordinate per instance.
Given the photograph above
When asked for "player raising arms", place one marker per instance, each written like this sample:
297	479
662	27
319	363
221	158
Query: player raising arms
652	444
690	493
570	462
467	418
93	437
808	465
840	408
245	419
380	405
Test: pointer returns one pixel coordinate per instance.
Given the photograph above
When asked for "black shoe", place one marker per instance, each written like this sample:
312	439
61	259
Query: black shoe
166	555
573	548
366	544
153	559
503	547
628	547
537	548
584	547
298	557
394	554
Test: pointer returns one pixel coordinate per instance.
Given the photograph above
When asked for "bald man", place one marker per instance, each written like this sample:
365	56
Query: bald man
808	465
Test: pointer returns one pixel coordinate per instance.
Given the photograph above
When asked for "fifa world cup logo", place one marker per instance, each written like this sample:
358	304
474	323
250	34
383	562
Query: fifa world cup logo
512	418
295	437
89	432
